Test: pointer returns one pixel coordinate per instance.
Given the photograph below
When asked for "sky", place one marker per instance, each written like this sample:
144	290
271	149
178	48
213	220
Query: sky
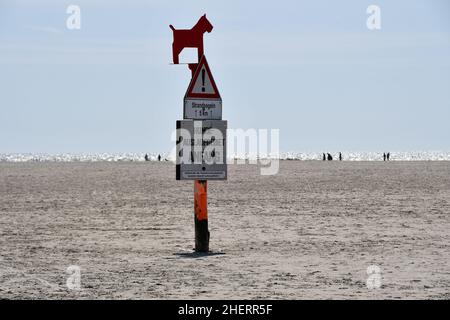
311	69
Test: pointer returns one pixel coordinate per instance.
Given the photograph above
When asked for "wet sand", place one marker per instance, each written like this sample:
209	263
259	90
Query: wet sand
309	232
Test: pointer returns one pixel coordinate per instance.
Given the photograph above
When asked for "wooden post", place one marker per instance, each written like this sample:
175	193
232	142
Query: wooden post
201	215
200	205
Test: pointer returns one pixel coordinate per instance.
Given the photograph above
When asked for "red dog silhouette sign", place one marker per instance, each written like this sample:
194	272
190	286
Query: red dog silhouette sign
190	38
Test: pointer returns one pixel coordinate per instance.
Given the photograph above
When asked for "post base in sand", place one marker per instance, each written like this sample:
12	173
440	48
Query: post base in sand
201	215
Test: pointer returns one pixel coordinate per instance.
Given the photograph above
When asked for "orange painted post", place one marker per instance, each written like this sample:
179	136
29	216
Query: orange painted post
201	215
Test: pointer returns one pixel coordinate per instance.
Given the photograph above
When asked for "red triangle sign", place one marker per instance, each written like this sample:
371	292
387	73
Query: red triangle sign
202	85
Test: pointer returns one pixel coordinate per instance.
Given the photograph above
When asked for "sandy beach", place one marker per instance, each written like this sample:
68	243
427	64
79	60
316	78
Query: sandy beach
309	232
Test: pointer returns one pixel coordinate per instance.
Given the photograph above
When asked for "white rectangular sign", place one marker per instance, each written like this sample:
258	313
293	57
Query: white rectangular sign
201	150
202	109
203	175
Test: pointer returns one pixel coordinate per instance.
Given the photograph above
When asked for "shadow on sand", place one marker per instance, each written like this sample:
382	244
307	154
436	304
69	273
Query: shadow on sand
195	255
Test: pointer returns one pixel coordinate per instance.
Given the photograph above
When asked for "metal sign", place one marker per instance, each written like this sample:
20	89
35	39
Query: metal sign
202	83
202	99
201	150
200	109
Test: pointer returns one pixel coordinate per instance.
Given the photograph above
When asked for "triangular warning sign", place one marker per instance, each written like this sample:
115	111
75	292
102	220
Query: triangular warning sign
202	84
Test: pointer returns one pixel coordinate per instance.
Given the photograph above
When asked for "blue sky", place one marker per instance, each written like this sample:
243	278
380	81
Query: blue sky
309	68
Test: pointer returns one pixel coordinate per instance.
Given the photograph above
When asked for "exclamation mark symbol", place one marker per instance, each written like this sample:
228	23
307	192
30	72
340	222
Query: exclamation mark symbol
203	80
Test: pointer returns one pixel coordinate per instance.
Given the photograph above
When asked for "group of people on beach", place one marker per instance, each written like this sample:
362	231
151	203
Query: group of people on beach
329	157
146	157
325	157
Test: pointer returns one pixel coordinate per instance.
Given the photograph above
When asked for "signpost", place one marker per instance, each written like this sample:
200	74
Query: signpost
201	135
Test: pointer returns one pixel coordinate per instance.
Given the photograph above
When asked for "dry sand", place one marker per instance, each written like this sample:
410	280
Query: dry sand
309	232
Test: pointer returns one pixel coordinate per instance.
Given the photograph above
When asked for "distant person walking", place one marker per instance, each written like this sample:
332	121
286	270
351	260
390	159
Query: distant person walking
159	157
146	157
340	156
324	158
384	156
330	158
388	156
